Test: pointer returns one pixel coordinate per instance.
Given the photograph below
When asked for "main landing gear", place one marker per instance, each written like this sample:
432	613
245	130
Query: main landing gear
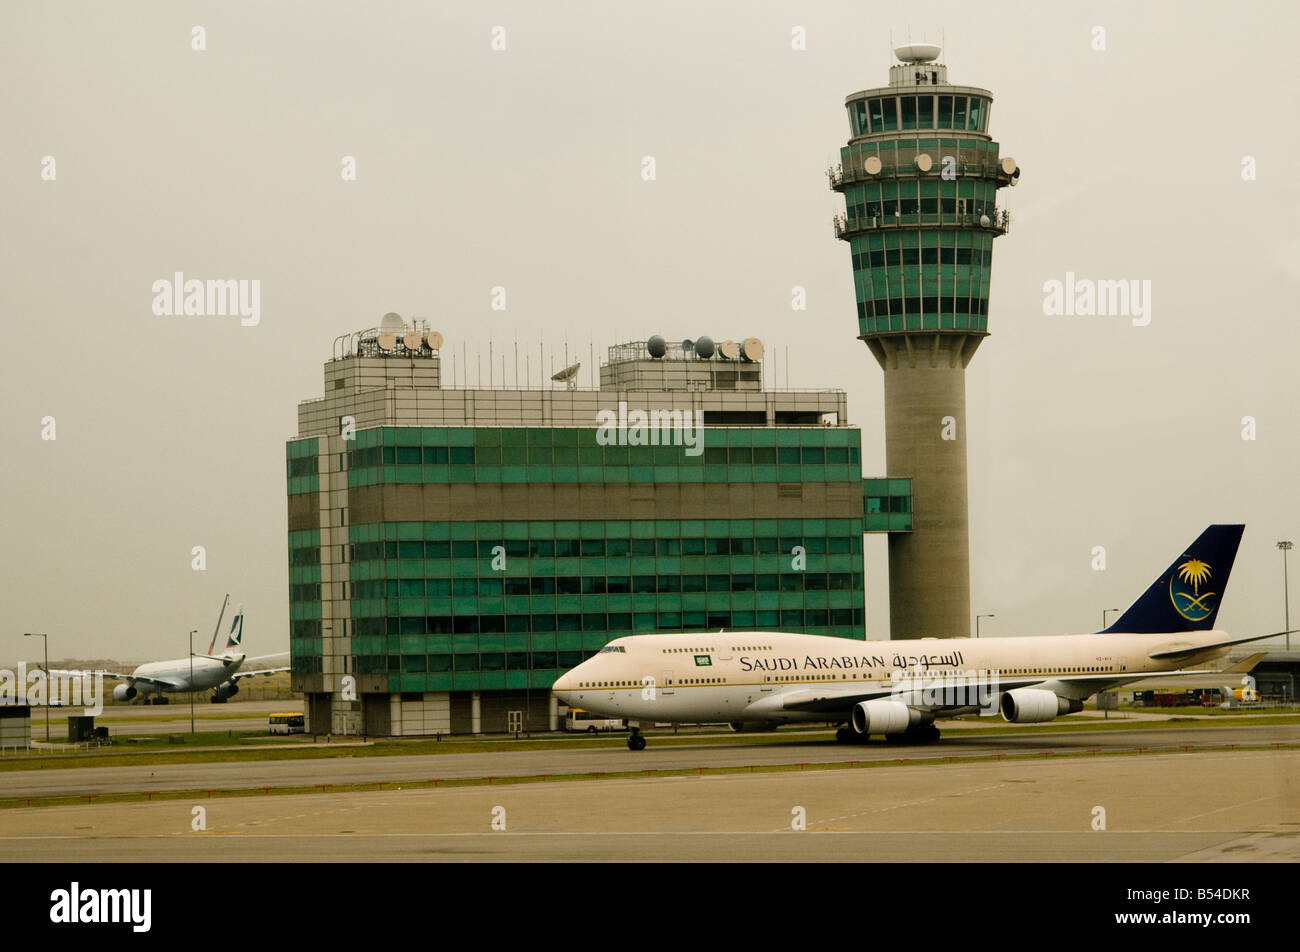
921	734
636	741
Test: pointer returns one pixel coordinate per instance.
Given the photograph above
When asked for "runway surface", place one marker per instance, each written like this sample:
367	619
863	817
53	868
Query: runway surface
529	763
1238	805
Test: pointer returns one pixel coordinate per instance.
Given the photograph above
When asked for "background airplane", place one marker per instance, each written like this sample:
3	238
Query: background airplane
218	672
760	680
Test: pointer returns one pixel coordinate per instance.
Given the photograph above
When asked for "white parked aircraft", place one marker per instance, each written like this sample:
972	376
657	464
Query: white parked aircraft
760	680
220	672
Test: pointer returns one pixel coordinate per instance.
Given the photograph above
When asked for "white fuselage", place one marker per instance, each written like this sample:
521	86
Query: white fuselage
208	672
741	676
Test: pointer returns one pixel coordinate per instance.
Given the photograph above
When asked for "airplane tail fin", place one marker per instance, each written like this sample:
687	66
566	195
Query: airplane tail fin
1187	595
235	636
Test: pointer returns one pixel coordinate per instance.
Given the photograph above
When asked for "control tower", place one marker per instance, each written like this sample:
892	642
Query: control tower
919	177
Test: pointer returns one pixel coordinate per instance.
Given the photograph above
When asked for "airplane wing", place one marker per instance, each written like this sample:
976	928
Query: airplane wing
831	701
1181	651
263	671
160	682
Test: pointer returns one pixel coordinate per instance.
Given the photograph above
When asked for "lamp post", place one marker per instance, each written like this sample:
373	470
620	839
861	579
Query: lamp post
1285	546
45	639
193	632
1104	611
977	622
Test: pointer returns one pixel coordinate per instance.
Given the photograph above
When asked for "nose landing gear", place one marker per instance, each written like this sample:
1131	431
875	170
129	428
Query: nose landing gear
635	741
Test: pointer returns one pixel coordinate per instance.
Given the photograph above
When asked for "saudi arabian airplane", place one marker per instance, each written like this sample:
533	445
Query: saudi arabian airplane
219	672
758	681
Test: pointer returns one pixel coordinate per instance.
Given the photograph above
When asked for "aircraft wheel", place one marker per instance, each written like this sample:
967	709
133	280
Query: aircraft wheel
636	742
846	735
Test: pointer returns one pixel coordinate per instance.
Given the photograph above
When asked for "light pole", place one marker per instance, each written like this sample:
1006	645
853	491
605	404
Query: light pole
977	622
1285	546
193	632
45	639
1104	611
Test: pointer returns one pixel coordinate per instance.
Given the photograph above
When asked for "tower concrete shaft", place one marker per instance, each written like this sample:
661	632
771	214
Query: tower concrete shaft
920	177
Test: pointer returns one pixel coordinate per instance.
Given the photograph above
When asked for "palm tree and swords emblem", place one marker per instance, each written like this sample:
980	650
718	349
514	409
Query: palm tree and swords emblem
1185	584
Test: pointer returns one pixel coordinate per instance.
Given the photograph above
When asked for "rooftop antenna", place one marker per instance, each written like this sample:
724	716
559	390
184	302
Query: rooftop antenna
212	644
568	376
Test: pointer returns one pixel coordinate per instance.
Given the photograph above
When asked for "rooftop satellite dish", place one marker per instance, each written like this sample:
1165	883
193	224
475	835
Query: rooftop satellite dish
568	376
434	340
918	52
412	340
387	340
1008	164
657	346
729	349
393	323
872	165
751	348
923	162
984	221
704	347
688	345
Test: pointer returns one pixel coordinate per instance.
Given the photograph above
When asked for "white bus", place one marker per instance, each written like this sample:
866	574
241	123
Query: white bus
287	723
580	720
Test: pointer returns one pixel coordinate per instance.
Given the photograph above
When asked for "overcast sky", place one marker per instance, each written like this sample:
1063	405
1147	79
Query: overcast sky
522	168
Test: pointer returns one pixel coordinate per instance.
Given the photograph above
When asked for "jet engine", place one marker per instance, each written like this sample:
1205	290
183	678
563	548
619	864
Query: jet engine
1034	705
882	716
124	692
749	727
222	692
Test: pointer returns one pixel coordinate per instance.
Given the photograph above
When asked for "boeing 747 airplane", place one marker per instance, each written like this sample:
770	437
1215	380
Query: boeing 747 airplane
760	680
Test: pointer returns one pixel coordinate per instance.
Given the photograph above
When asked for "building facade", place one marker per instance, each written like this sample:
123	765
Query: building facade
451	551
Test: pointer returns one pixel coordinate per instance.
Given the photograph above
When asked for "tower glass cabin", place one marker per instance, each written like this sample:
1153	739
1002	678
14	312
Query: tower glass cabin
920	176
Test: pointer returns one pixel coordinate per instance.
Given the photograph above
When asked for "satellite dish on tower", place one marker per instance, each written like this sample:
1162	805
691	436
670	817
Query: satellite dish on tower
412	340
392	323
704	347
568	376
871	165
752	349
729	349
387	340
434	340
657	346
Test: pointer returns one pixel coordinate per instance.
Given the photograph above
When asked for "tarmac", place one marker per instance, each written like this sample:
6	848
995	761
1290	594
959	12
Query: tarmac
509	761
1186	807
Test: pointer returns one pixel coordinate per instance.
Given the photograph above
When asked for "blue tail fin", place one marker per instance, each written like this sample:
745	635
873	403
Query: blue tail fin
1187	595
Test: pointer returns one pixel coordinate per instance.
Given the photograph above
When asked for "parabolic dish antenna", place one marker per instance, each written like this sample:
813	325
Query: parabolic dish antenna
568	376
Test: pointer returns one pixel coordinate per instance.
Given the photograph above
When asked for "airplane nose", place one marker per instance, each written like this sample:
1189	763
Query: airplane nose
564	683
